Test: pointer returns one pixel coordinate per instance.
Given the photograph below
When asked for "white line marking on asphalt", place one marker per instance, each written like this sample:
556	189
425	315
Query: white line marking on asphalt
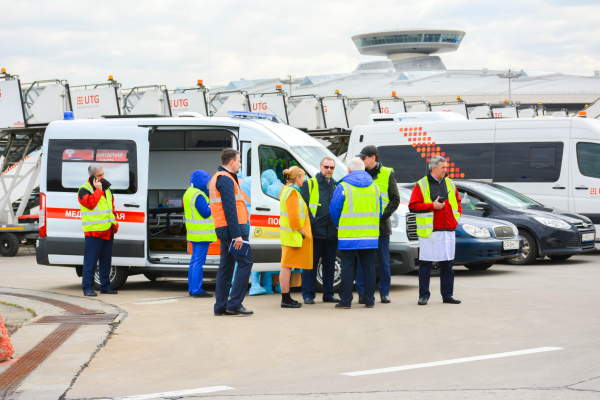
158	301
454	361
172	394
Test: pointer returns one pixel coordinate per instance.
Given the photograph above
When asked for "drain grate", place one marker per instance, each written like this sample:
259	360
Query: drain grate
73	309
16	373
77	319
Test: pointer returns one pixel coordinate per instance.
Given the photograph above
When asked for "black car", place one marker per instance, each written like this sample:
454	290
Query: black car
545	231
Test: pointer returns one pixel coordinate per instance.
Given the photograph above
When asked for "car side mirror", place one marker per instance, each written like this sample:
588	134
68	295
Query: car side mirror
482	206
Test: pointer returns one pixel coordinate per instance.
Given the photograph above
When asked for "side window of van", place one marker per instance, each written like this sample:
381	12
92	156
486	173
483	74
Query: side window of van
528	162
273	161
68	161
202	139
588	159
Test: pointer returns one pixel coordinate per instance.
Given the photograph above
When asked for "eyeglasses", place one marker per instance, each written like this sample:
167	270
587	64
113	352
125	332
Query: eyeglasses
327	167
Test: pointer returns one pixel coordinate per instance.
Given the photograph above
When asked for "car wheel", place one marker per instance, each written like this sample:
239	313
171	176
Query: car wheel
152	277
118	277
561	257
337	275
530	250
9	244
481	266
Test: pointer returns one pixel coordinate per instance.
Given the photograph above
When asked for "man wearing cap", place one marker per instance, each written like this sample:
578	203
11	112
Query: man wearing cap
385	179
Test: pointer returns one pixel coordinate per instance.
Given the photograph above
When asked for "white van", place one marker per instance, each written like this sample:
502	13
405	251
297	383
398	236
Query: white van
149	162
555	161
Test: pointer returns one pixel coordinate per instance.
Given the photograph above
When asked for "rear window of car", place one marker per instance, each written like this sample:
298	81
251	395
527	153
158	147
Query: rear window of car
68	162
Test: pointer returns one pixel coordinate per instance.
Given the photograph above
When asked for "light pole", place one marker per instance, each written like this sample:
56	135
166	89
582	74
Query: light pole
509	75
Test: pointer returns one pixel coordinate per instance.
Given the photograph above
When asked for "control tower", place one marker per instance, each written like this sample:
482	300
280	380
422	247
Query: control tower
410	49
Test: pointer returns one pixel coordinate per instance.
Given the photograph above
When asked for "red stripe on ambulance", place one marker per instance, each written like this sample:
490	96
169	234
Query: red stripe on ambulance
264	220
73	213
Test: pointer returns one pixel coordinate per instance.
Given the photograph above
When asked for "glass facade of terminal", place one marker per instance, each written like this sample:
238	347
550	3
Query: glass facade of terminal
408	38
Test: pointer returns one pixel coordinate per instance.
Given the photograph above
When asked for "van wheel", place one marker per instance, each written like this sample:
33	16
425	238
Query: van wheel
530	250
152	277
118	277
480	266
9	244
337	276
561	257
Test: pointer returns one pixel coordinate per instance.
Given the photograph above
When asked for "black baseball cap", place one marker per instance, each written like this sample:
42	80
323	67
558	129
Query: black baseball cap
367	151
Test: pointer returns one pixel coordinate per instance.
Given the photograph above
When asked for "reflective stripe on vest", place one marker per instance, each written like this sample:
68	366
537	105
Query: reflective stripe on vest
100	218
313	201
383	183
199	229
216	205
287	236
360	213
425	219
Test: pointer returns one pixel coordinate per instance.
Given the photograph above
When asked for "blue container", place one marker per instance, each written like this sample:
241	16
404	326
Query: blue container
68	115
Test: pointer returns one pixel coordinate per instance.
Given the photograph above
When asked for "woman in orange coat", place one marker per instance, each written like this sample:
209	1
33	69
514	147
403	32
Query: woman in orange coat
6	347
300	254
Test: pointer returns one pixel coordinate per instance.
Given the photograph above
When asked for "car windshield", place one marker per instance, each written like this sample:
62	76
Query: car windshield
506	196
312	156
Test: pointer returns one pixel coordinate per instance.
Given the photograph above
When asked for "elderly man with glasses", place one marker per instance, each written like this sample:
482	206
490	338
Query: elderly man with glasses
317	193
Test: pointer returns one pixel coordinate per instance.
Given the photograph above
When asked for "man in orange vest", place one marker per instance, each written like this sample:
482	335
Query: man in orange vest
231	225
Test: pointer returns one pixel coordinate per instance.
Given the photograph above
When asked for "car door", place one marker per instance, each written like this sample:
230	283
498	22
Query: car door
585	179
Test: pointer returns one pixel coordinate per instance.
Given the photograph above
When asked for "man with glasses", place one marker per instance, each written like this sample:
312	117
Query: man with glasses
317	193
385	179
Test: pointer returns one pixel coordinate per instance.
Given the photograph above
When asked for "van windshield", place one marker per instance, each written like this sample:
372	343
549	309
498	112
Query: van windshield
312	156
506	196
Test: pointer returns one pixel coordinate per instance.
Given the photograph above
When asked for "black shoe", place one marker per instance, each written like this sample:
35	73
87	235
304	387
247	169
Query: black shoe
108	292
331	300
240	311
386	299
423	301
369	305
90	293
341	307
306	301
451	300
361	299
293	304
220	313
202	295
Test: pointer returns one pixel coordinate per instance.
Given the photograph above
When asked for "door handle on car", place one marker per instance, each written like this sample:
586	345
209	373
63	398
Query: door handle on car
263	209
581	188
132	205
558	187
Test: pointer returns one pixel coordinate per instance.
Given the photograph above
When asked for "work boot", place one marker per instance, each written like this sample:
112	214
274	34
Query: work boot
255	288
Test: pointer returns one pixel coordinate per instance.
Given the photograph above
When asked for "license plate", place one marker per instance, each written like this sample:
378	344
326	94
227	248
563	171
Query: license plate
510	245
587	237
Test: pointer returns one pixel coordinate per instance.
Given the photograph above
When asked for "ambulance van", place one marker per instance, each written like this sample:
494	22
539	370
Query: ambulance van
149	161
555	161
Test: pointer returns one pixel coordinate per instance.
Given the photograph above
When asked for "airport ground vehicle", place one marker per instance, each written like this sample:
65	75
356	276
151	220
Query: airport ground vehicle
149	162
555	161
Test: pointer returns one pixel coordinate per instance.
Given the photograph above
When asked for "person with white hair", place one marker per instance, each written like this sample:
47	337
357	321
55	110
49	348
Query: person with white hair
355	210
99	228
436	203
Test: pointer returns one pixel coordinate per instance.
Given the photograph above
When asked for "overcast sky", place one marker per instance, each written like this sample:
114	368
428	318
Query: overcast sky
167	42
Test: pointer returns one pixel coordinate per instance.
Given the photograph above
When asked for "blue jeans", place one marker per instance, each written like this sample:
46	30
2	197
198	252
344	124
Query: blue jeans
225	300
97	251
385	275
326	249
446	278
365	260
196	271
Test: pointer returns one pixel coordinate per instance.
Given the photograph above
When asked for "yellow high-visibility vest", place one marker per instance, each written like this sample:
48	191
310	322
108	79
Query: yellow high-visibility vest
100	218
287	236
425	219
360	215
199	229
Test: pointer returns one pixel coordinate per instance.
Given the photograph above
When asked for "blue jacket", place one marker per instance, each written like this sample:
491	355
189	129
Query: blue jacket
199	180
233	228
358	179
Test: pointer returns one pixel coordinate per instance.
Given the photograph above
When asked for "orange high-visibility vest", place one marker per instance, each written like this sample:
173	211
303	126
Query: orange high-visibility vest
216	207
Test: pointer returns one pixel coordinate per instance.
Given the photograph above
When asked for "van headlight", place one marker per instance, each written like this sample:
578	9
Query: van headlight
476	231
395	220
553	223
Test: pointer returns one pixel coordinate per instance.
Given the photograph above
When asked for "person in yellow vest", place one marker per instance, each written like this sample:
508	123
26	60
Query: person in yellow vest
99	228
295	233
436	202
200	229
385	179
356	209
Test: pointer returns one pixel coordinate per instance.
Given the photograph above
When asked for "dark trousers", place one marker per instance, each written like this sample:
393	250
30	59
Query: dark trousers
327	250
385	275
446	278
224	299
350	260
97	251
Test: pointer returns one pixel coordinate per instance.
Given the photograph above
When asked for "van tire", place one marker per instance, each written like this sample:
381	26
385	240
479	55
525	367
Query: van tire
337	276
9	244
561	257
118	277
529	246
480	266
